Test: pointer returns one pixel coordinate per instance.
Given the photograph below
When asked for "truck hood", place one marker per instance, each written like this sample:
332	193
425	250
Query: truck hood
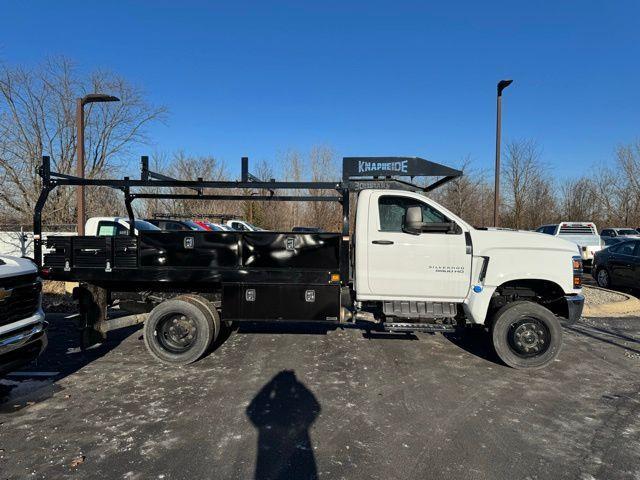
12	266
485	241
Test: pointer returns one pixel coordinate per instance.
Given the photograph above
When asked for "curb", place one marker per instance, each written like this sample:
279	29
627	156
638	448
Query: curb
628	307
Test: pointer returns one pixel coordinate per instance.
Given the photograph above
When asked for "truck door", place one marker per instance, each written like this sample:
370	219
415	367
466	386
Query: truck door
428	266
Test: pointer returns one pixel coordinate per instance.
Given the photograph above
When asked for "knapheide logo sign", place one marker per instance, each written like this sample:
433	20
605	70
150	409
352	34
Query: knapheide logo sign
365	166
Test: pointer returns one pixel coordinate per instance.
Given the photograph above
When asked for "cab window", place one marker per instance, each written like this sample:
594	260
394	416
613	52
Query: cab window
393	209
111	229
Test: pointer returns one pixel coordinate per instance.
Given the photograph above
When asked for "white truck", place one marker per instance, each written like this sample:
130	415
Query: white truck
113	226
583	234
407	265
242	226
22	325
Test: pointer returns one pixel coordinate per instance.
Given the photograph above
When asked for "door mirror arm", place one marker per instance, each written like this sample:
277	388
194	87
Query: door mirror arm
413	228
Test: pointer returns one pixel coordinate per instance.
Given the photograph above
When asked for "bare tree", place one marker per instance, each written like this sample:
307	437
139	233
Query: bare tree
527	191
465	195
37	117
186	167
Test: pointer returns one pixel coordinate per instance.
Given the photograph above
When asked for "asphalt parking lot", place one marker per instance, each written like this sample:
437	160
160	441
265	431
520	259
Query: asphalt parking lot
304	403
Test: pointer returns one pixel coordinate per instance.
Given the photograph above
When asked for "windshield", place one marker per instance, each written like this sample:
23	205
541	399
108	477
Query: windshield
142	225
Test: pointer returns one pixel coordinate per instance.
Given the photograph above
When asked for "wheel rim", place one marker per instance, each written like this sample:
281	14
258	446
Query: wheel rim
529	337
176	333
603	278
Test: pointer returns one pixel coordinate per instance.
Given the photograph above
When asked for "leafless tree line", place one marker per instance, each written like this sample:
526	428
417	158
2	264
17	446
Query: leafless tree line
37	116
532	195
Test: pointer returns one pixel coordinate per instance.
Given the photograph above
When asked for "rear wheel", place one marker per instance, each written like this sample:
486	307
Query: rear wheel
179	331
526	335
603	278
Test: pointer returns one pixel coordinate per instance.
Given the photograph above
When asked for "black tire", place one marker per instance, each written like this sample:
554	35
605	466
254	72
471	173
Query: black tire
603	278
179	331
526	335
210	310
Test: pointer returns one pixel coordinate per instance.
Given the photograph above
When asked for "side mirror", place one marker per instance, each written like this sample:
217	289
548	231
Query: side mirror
413	221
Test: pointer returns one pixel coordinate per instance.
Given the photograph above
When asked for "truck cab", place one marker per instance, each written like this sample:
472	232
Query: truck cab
115	226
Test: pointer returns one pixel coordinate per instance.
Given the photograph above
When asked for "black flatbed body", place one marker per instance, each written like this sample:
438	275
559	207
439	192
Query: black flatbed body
260	275
193	258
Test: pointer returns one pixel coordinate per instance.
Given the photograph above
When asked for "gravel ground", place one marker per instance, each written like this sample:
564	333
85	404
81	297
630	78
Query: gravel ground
594	296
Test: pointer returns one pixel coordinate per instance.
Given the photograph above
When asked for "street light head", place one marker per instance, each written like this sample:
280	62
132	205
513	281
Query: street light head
502	84
98	97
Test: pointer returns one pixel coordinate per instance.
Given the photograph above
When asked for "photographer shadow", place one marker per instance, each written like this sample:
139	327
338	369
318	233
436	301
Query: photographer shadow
283	411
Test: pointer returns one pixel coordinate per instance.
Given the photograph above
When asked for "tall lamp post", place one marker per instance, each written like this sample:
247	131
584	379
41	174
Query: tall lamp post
502	84
91	98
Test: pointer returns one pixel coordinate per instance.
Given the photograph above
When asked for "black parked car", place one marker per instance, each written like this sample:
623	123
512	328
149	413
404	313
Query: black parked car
618	265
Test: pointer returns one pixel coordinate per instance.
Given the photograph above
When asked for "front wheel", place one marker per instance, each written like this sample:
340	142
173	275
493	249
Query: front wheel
526	335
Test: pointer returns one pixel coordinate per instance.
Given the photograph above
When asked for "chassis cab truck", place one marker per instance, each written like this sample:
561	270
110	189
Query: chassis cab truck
406	264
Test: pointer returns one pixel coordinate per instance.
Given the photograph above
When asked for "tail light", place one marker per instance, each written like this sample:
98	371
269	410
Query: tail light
577	272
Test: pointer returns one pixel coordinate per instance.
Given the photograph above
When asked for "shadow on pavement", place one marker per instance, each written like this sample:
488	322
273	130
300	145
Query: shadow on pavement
282	411
290	328
61	358
475	341
604	335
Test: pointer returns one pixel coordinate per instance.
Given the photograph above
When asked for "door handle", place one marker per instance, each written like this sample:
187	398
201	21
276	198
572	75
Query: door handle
382	242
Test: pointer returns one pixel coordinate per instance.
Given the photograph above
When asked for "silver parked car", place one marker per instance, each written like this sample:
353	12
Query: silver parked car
611	236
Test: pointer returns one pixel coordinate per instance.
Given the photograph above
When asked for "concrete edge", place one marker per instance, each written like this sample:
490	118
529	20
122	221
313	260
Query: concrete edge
628	307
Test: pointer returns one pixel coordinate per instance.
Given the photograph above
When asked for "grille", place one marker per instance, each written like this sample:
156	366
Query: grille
23	300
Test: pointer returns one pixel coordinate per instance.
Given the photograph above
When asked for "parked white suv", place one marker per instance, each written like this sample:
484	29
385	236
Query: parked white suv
22	325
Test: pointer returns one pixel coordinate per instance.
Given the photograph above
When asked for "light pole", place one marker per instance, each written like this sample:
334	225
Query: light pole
502	84
90	98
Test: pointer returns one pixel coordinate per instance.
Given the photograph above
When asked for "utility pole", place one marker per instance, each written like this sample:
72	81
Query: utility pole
502	84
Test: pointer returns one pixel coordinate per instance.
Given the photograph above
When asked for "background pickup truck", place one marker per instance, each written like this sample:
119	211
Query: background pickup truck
583	234
22	325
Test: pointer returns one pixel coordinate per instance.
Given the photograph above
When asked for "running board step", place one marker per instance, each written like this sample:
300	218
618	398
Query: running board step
418	327
417	310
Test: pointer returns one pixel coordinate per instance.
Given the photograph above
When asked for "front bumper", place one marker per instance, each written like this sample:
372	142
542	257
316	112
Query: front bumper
22	341
575	304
